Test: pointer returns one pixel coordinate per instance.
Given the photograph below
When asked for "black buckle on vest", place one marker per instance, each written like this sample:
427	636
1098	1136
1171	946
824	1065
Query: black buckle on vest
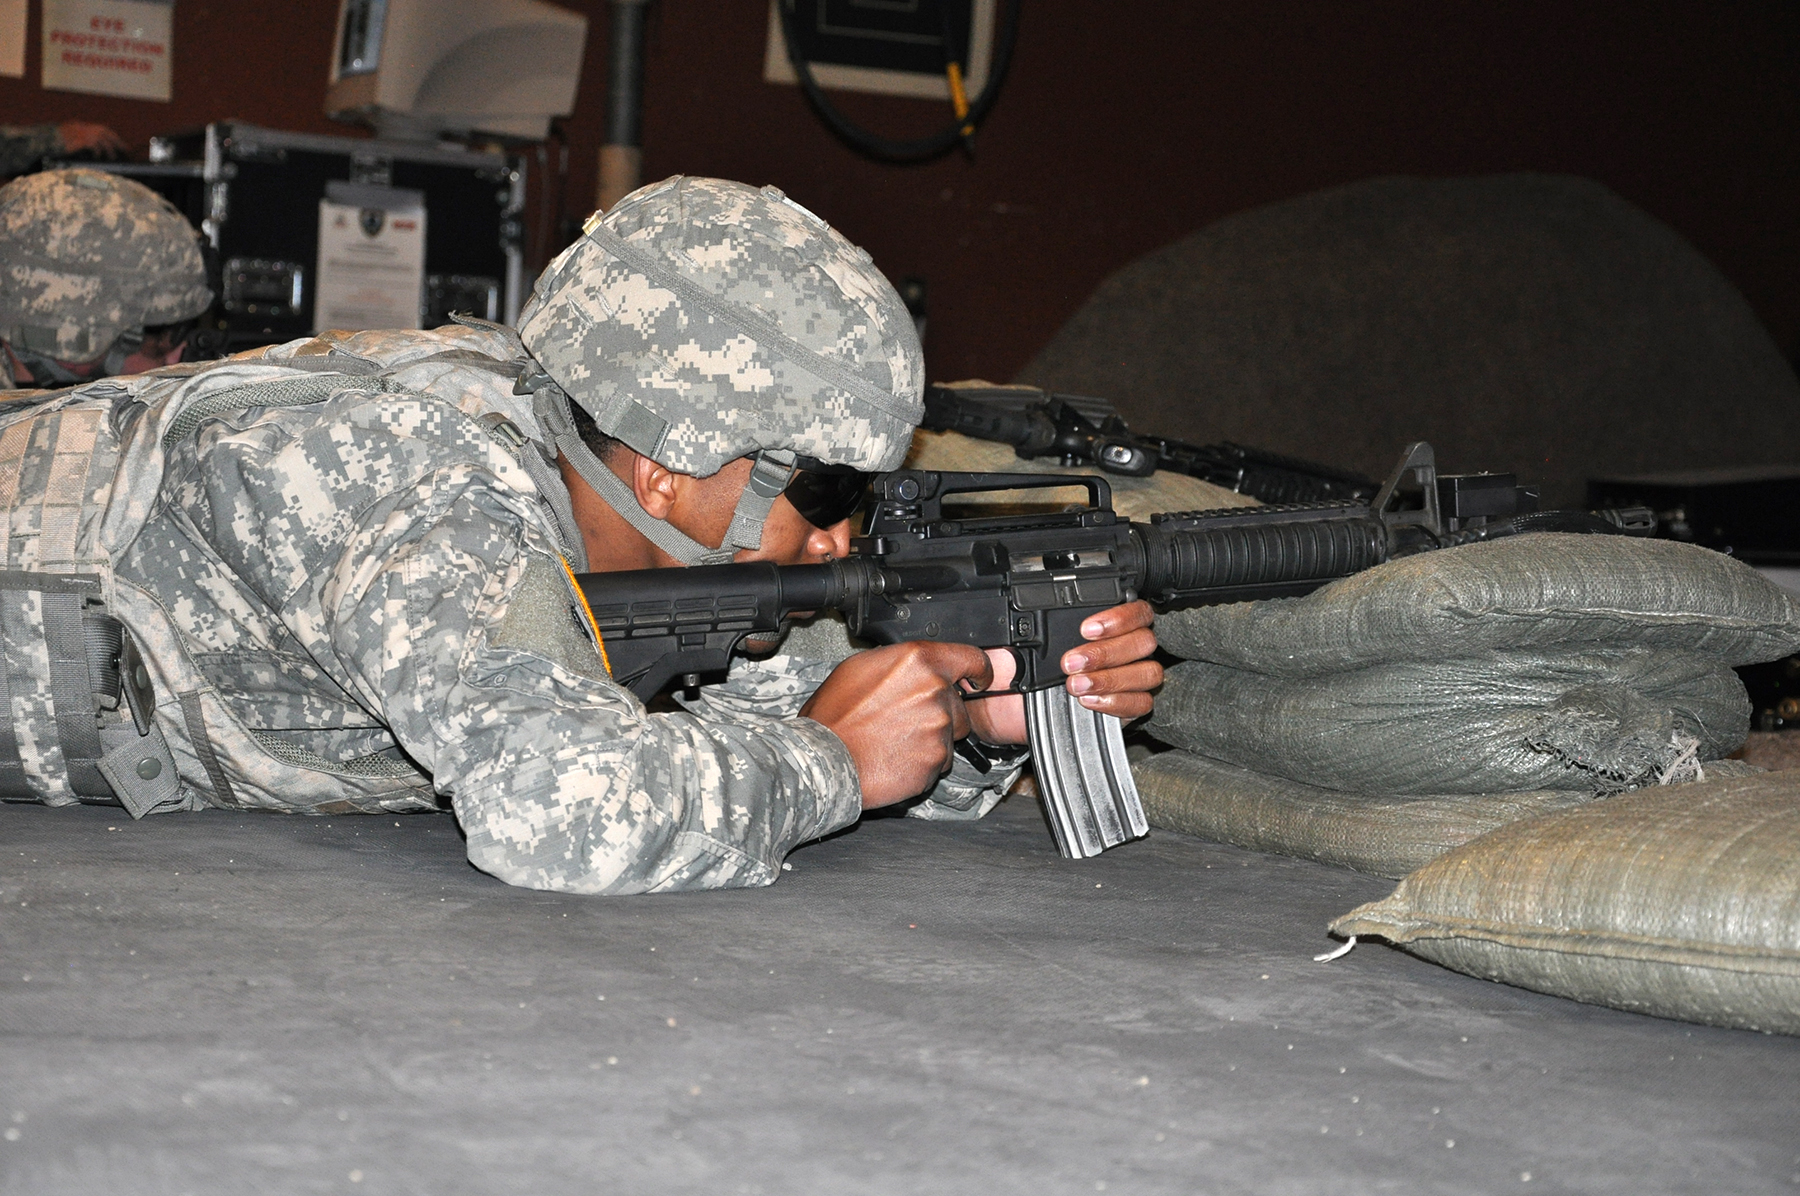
134	678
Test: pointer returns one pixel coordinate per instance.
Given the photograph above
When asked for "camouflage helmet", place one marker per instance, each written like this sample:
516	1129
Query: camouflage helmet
86	256
702	320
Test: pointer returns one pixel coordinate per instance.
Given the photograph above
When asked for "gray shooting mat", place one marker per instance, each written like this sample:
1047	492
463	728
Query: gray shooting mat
231	1003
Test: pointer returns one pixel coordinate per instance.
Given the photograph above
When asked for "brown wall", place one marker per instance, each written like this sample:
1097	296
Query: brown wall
1124	126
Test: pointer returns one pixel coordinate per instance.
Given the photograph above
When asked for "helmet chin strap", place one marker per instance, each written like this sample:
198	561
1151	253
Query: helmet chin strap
769	475
770	472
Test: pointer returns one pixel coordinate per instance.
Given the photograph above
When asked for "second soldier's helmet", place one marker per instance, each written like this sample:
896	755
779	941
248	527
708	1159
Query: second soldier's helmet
86	256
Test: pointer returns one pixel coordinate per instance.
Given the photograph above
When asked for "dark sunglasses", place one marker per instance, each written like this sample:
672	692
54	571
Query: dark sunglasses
826	495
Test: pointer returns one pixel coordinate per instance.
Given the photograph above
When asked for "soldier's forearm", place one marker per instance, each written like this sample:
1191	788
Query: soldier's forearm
686	804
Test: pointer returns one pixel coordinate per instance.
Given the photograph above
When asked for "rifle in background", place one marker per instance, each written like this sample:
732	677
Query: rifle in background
1083	431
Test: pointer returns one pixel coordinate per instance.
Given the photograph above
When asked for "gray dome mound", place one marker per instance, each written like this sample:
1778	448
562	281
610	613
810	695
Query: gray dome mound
1533	323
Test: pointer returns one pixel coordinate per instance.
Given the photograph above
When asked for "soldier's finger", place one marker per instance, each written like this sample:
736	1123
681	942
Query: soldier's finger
1117	620
1110	652
1126	706
959	663
1138	677
959	724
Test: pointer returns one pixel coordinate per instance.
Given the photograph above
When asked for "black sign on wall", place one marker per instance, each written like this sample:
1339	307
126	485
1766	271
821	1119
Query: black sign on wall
893	46
890	35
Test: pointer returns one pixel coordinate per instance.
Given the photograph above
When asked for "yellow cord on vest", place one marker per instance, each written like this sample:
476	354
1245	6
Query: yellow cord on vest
588	611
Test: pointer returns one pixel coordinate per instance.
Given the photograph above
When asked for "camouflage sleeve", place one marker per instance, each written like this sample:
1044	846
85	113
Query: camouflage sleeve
22	147
427	588
770	687
966	792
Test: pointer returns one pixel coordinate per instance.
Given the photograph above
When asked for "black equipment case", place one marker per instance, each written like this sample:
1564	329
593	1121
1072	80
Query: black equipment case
255	194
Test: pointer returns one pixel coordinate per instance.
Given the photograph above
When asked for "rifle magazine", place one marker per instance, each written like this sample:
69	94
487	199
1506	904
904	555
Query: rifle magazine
1089	794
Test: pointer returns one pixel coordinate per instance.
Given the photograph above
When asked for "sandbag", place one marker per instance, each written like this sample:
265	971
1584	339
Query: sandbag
1594	720
1386	836
1545	661
1133	498
1683	902
1528	322
1548	591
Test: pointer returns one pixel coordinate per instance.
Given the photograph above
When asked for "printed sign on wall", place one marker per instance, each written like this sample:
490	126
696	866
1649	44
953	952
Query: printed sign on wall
108	47
371	257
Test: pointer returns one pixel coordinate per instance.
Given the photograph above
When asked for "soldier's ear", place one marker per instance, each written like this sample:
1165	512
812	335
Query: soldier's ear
656	487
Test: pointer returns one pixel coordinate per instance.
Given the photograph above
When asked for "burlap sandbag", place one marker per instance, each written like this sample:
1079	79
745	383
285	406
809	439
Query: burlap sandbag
1533	662
1133	498
1682	902
1386	836
1550	592
1592	720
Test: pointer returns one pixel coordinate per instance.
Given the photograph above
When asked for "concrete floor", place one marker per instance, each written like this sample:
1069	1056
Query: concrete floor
235	1003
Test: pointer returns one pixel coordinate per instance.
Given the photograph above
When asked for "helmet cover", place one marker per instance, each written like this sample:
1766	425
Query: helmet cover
702	320
85	256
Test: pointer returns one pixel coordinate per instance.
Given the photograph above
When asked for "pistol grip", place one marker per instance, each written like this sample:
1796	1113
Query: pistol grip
1079	754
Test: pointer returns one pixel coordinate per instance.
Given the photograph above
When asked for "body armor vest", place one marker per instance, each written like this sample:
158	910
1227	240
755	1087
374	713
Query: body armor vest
109	702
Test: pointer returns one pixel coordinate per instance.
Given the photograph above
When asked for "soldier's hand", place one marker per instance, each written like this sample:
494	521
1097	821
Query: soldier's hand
899	712
1112	673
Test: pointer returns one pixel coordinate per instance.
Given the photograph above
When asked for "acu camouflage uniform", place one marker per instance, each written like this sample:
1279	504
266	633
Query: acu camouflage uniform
344	565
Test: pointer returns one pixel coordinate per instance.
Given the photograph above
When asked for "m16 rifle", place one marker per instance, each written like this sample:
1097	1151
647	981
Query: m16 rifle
1079	430
926	570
